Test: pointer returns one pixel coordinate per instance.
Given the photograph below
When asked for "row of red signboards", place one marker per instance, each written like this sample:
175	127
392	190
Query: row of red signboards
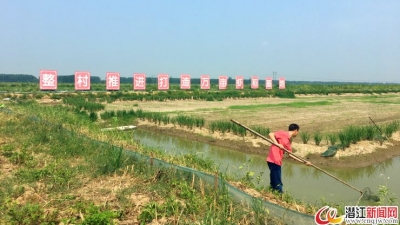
48	81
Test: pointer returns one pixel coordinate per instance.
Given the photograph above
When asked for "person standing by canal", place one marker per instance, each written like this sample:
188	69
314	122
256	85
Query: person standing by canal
282	140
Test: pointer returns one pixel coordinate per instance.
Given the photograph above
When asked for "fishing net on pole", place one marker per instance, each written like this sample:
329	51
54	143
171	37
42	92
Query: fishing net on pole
368	195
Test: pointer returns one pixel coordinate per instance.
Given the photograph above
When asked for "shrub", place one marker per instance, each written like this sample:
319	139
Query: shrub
332	138
369	132
261	130
391	128
305	137
344	140
318	138
30	214
93	116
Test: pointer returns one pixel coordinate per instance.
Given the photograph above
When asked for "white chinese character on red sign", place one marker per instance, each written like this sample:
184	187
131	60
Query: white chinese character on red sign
205	82
254	82
112	81
222	82
139	81
163	82
268	83
82	81
239	82
281	83
48	80
185	81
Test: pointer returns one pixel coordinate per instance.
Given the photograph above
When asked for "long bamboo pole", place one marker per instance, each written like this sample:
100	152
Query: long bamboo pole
300	158
376	126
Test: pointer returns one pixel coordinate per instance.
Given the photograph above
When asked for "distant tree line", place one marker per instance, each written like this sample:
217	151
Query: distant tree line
71	79
153	80
18	78
95	79
31	78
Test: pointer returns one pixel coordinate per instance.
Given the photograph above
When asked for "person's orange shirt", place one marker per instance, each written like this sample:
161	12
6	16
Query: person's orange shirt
275	154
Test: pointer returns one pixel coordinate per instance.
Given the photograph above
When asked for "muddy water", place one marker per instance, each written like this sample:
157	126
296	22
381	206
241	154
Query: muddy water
302	182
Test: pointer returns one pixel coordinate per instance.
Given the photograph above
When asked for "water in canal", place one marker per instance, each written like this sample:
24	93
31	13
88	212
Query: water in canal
303	182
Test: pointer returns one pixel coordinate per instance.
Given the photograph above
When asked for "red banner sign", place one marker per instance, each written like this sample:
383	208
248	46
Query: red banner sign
82	80
185	81
239	82
204	82
282	83
112	81
48	80
268	83
139	81
163	82
254	82
222	82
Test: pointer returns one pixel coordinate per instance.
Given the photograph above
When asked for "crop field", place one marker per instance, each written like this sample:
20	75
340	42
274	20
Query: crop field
313	113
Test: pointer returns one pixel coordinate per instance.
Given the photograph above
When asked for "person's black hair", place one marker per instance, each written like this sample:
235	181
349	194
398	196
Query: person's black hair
293	127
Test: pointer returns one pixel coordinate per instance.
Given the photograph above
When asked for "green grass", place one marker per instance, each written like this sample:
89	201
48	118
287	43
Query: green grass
261	130
291	104
225	126
305	136
377	99
317	137
332	138
58	163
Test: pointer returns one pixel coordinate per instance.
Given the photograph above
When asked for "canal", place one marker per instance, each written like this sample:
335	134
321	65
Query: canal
302	182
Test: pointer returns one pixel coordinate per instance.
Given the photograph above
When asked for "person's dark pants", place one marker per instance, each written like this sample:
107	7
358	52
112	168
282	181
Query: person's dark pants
275	177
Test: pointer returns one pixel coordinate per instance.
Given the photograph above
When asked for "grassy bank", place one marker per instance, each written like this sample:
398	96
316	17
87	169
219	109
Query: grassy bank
50	175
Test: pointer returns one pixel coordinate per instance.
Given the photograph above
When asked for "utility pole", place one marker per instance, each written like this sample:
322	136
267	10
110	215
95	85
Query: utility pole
274	75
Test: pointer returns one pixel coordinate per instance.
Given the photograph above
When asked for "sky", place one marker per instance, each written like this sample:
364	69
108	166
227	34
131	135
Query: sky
308	40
